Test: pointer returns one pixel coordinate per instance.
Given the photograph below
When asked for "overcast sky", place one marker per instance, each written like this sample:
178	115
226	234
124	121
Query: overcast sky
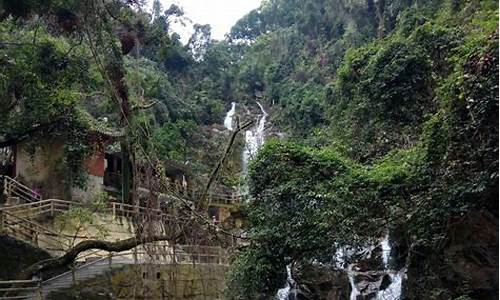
220	14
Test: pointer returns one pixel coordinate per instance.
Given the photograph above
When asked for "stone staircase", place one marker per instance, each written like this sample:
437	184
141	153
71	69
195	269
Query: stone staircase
20	222
82	273
17	192
100	266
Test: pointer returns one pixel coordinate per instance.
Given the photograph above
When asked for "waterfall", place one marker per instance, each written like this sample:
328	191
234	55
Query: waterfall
254	138
285	292
392	292
228	120
354	288
395	289
386	250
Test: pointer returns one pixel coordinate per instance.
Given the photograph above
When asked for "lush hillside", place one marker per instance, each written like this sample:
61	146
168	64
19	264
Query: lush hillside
67	65
387	113
391	109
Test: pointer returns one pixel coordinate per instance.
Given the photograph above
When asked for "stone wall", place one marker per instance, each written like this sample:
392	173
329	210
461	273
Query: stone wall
42	166
174	282
93	189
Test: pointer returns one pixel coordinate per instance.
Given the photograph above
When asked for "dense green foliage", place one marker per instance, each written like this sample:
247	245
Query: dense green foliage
390	109
406	139
68	67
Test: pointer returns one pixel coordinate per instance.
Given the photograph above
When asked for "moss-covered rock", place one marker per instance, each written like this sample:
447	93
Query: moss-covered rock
16	256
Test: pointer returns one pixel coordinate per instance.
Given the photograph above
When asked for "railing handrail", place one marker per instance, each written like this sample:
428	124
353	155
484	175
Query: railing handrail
37	226
5	177
33	232
217	198
26	204
19	281
32	286
122	207
29	193
222	257
86	265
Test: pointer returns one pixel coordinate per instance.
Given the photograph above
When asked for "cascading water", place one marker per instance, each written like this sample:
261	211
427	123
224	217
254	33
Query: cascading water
386	250
228	120
254	138
285	292
393	291
354	288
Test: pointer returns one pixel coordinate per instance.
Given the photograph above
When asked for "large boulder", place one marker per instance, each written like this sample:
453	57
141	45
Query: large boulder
320	282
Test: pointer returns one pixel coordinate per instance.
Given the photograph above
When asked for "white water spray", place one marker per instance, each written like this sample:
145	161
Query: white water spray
354	289
254	138
228	120
386	250
393	291
284	292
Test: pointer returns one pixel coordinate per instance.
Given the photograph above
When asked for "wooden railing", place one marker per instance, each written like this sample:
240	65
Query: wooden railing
19	221
128	210
34	209
224	199
52	206
13	188
33	233
178	254
198	254
18	289
158	254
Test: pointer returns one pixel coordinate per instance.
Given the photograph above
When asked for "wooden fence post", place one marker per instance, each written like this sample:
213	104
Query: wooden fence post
73	274
2	227
8	192
135	255
162	288
110	259
40	290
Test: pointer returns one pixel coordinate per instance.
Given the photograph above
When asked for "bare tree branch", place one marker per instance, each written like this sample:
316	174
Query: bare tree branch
201	200
70	256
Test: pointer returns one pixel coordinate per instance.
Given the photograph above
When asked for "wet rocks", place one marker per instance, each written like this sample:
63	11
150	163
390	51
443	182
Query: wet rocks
321	283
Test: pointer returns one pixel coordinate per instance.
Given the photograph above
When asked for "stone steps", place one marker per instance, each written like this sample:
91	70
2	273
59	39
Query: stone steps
82	273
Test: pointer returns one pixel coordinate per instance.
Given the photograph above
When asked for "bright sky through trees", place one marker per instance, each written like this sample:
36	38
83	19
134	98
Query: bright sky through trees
220	14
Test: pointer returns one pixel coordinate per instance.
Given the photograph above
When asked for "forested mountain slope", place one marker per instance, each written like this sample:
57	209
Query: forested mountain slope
391	113
388	113
85	63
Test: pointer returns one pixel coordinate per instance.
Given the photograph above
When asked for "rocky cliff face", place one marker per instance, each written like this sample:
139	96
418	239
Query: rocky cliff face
321	283
465	265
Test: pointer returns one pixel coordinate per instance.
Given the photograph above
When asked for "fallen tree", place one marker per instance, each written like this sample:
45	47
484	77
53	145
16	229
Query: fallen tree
70	256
